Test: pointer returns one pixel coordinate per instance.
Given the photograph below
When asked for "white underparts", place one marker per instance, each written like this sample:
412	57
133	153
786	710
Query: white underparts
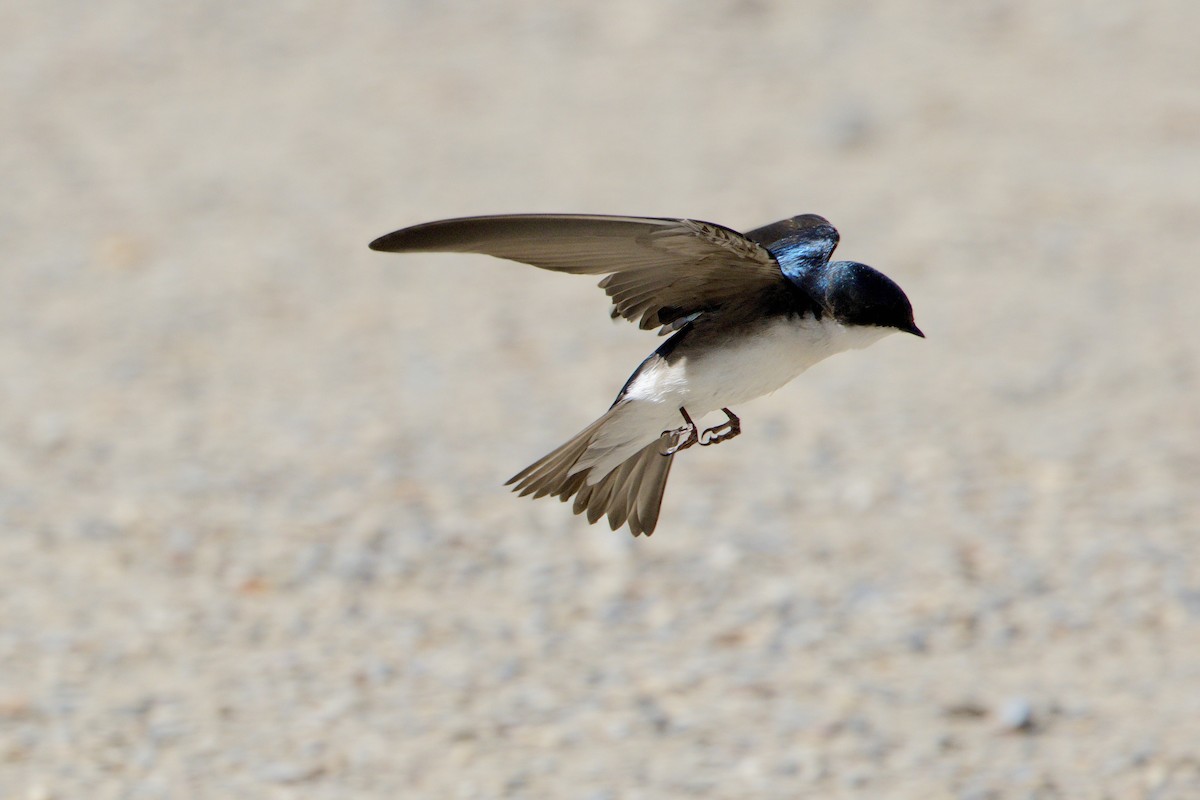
744	368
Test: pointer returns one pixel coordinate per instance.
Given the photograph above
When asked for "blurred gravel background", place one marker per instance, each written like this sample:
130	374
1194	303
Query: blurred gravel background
253	541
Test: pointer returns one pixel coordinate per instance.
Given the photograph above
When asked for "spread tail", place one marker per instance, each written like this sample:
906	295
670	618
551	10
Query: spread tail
631	493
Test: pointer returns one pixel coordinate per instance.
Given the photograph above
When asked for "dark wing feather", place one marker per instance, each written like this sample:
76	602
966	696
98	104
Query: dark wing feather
658	271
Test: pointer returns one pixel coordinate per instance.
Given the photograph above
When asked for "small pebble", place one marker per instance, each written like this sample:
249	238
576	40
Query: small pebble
1016	715
286	772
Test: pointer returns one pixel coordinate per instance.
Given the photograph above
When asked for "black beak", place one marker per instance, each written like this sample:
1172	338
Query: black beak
913	329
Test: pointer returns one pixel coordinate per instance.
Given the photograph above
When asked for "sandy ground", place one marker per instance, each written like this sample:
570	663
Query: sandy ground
253	538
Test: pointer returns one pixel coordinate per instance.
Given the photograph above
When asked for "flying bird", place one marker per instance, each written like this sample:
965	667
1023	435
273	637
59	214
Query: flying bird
746	313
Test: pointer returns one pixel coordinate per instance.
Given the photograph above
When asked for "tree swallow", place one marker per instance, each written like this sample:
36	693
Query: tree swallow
747	313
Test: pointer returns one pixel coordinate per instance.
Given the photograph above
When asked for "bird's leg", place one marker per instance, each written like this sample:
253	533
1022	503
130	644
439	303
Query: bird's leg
726	430
684	437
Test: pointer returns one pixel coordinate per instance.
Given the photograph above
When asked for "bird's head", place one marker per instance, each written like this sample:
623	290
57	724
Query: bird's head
855	294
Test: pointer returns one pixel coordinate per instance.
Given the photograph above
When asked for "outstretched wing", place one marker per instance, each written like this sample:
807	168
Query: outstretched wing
658	271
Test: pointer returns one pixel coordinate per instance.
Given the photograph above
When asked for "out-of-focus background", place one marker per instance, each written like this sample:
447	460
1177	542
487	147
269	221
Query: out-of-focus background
253	538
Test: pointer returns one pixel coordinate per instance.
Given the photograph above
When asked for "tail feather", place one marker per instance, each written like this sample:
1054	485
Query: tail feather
549	474
625	488
631	493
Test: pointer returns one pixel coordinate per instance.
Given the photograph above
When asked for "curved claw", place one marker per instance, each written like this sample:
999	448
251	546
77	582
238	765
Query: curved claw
720	433
684	437
687	434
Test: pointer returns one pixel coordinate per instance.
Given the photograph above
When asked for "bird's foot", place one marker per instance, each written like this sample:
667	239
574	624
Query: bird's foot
720	433
683	437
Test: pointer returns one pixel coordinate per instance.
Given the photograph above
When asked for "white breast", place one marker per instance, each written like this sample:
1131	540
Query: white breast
749	366
745	367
